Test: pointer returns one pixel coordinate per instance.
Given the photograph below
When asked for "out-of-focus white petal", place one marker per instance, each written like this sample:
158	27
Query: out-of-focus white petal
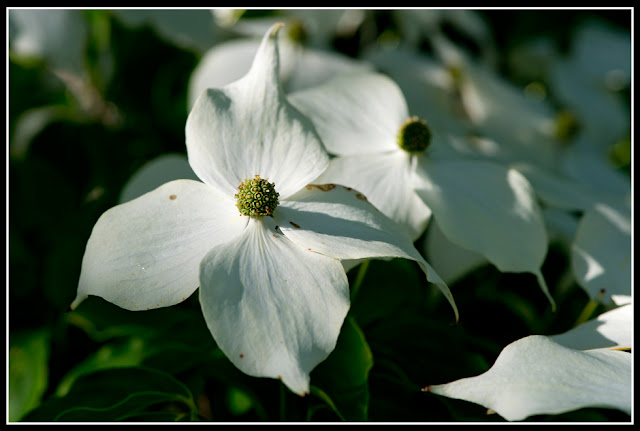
339	222
387	182
601	252
248	128
274	308
155	173
146	253
557	190
610	330
450	260
193	29
58	36
535	375
489	209
355	113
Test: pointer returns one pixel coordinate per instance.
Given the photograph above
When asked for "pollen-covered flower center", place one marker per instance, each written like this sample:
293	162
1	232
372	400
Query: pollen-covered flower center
256	197
414	135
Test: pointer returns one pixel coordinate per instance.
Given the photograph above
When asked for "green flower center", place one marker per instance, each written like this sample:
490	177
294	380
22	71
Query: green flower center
257	197
414	135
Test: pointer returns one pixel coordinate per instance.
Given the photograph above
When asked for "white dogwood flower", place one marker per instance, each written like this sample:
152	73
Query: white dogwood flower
480	205
263	245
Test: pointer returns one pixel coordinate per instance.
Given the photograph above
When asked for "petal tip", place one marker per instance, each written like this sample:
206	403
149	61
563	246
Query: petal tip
275	28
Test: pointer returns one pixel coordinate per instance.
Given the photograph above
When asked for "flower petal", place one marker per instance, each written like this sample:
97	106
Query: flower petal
338	221
612	330
153	174
355	113
145	253
386	180
274	308
535	375
451	261
248	128
601	252
489	209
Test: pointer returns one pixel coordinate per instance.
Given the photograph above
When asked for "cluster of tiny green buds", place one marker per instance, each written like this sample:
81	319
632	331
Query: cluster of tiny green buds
257	197
414	135
296	31
566	126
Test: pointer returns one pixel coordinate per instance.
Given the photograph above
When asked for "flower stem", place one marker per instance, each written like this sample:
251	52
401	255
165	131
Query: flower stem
587	311
359	278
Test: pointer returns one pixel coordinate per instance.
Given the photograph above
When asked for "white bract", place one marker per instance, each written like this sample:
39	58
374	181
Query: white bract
535	375
300	66
272	287
479	205
601	252
550	375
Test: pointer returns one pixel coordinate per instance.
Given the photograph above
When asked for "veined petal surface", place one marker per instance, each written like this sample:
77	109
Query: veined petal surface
248	128
489	209
274	308
338	221
146	253
387	182
355	113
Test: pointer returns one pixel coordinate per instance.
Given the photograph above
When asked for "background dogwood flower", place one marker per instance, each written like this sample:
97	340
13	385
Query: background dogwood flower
272	289
479	205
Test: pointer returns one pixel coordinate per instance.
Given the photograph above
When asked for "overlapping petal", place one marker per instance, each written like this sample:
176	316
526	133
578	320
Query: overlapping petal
601	252
338	221
248	128
273	307
146	253
355	113
386	180
612	329
489	209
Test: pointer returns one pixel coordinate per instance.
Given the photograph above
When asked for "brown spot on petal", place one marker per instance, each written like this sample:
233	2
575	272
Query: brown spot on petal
294	225
427	389
361	197
241	356
323	187
173	197
347	188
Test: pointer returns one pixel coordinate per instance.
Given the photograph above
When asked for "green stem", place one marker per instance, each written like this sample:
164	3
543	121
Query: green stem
587	312
359	278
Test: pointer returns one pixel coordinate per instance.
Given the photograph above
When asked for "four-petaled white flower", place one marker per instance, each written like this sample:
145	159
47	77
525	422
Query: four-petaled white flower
263	245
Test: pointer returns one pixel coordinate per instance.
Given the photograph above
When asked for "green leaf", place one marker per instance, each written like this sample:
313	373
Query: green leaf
118	394
116	354
373	301
28	371
103	321
342	380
